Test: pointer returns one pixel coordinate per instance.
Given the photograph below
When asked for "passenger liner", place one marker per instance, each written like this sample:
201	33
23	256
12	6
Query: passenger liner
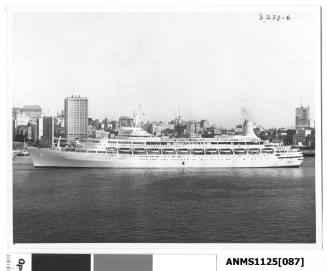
135	148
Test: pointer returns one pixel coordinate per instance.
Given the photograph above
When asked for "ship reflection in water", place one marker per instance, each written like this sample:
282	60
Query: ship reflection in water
233	205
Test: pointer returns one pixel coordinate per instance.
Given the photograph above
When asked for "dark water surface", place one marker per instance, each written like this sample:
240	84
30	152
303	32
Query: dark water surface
164	205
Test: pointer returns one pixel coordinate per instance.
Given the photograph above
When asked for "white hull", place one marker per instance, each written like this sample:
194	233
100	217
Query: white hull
57	158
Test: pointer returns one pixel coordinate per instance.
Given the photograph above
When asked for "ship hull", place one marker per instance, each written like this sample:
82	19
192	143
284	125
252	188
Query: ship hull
57	158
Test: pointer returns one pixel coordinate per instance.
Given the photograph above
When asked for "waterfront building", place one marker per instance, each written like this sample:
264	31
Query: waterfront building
59	131
21	119
198	128
16	111
310	139
302	118
76	117
289	138
34	133
97	124
48	131
39	127
91	131
190	129
101	134
32	111
29	133
301	136
217	131
105	125
22	131
113	127
125	121
205	124
238	129
157	128
304	134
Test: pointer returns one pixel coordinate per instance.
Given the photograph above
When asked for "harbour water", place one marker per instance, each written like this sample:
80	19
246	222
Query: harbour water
238	205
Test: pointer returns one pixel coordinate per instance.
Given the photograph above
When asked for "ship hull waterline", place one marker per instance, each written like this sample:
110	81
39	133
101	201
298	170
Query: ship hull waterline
59	159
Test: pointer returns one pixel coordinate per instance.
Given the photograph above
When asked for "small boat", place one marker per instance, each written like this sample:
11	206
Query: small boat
239	151
139	151
168	151
211	151
225	151
125	150
183	151
154	151
197	151
253	151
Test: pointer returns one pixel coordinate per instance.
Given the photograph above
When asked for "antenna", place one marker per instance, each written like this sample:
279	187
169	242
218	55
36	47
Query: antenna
301	101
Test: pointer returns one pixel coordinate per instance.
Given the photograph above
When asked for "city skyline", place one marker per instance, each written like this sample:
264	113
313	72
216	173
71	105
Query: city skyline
165	61
246	116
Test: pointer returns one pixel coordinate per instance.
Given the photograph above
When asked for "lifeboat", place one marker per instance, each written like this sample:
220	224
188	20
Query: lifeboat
197	151
239	151
253	151
211	151
225	151
111	150
154	151
183	151
168	151
139	151
267	150
125	150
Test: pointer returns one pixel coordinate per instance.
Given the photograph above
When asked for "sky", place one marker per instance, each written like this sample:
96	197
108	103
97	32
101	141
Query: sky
214	66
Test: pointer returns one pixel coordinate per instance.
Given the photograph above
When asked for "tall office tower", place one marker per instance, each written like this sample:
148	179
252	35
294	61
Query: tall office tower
302	119
76	117
47	131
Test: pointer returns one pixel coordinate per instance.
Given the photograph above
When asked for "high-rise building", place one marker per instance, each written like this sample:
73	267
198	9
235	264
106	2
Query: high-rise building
16	111
48	131
76	117
302	118
32	111
39	127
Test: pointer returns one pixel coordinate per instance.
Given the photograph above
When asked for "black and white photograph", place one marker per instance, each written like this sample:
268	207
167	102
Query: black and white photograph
166	126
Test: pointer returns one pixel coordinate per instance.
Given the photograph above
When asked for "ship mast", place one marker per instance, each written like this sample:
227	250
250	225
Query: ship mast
179	114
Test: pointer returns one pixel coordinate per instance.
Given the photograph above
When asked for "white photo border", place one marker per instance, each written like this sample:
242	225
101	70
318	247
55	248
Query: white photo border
163	247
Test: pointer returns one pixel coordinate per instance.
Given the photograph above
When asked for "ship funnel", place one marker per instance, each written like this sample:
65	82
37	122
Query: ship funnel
248	129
